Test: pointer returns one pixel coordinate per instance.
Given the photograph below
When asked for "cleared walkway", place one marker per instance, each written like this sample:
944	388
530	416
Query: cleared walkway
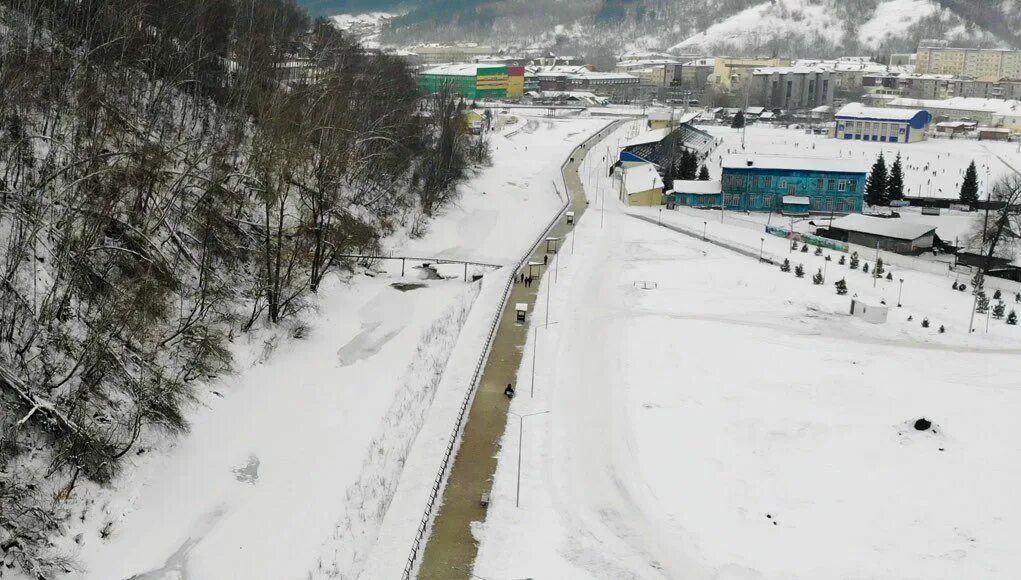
451	549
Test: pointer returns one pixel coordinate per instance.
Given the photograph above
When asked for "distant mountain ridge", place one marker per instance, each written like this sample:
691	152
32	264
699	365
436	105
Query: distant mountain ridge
780	27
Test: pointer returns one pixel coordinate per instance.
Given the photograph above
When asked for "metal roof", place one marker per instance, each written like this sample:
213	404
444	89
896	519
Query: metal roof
885	227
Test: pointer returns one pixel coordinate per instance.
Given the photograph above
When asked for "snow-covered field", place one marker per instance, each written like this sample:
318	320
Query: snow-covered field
933	168
709	416
293	463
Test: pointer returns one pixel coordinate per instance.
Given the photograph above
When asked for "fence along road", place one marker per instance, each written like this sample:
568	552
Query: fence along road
451	549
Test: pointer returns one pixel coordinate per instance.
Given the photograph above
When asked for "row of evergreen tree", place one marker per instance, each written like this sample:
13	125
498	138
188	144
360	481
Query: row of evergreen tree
887	185
882	185
685	167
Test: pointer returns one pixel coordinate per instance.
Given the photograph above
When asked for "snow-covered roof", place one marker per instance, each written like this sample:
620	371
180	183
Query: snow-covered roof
797	199
860	111
654	136
688	117
846	165
641	178
767	115
459	69
711	187
967	104
755	110
886	227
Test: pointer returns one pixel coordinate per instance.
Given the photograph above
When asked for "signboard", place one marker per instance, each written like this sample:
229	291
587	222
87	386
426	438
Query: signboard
900	203
930	211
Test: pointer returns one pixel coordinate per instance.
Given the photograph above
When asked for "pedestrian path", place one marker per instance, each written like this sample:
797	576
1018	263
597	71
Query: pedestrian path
451	550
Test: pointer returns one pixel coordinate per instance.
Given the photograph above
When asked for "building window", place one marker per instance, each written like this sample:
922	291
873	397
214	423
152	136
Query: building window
833	185
841	185
769	181
819	184
852	185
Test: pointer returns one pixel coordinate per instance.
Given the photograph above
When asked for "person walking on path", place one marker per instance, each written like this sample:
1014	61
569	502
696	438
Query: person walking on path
545	260
509	391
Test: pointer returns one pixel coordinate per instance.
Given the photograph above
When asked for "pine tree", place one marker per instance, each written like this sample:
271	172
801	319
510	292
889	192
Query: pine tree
738	121
818	251
978	281
855	261
925	323
997	295
879	271
982	303
895	184
998	310
865	268
1012	318
817	278
799	271
689	166
841	287
843	259
969	188
804	249
786	266
889	275
703	174
875	185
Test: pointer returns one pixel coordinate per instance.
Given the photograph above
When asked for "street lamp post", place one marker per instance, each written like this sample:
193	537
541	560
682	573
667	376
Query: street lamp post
762	245
521	439
900	291
705	227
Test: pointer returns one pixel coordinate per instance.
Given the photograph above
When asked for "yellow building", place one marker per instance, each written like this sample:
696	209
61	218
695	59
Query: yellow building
731	73
641	185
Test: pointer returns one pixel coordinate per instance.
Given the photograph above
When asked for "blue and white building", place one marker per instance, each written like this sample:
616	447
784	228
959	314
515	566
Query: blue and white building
860	123
792	185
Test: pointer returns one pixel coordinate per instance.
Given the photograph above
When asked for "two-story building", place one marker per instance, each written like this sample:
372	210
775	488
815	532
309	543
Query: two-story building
793	185
886	125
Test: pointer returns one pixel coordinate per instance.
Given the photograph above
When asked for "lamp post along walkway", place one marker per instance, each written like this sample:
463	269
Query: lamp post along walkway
451	549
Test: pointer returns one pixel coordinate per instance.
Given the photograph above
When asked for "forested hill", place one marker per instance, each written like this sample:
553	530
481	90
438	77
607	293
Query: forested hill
164	187
780	26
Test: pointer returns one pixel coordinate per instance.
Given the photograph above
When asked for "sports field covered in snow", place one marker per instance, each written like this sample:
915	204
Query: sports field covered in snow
933	168
701	414
292	465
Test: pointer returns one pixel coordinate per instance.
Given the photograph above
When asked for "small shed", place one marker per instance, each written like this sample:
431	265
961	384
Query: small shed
954	127
993	134
891	234
869	311
694	193
570	217
796	205
642	185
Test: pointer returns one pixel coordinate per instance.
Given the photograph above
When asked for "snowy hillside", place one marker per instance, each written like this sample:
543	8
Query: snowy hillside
784	27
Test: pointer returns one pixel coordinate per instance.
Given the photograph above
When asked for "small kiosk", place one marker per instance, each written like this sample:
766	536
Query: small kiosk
521	309
570	217
551	245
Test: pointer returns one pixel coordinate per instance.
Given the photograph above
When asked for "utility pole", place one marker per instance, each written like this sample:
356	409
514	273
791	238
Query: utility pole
521	439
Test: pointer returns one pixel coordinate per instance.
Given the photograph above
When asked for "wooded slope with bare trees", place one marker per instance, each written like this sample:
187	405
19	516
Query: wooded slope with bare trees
165	184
